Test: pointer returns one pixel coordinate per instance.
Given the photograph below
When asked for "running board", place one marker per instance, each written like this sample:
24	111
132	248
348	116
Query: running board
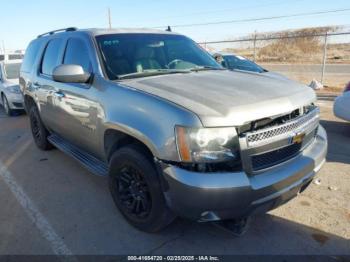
90	162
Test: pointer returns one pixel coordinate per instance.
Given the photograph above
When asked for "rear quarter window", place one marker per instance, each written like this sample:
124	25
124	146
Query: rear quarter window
30	56
51	56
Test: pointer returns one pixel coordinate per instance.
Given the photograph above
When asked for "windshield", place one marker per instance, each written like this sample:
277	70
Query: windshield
138	54
12	70
238	62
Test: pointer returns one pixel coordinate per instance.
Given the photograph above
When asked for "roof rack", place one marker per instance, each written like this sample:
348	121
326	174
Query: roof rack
68	29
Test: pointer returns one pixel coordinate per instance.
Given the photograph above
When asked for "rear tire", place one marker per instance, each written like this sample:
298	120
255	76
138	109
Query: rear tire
39	132
136	190
6	106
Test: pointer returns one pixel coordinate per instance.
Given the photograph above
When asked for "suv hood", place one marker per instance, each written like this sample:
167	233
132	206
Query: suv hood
225	98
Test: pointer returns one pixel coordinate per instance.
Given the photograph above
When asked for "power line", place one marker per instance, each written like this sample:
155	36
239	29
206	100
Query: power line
226	10
259	19
274	38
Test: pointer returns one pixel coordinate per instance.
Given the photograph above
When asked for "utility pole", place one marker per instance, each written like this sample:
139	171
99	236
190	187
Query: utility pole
109	18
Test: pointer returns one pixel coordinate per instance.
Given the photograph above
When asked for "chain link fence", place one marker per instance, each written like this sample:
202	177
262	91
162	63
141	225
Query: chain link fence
321	54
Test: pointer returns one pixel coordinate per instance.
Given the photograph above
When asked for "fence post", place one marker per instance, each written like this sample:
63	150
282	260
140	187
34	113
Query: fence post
3	47
324	57
254	46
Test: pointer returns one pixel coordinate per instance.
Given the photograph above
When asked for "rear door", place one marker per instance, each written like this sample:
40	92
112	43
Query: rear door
45	88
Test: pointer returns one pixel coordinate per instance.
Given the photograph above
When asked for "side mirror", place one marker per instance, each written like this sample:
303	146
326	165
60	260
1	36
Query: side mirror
70	74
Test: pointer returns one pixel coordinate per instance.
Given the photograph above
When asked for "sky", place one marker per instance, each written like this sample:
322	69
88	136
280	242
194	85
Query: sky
21	21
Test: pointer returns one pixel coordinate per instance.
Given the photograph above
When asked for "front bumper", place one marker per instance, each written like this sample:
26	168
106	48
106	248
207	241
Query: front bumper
16	101
218	196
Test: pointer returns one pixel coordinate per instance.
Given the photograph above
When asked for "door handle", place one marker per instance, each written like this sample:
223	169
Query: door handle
59	94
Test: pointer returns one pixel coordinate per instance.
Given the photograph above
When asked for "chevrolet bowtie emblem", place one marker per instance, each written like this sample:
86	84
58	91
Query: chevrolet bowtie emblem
298	139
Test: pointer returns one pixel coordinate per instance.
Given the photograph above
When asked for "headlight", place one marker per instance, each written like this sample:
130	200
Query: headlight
14	89
207	145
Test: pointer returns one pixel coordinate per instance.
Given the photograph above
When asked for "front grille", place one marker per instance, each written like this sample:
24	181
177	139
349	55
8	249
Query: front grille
266	135
281	155
18	104
275	157
270	146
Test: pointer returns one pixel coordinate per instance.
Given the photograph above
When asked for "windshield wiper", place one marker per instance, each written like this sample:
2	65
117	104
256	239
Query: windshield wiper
151	73
206	68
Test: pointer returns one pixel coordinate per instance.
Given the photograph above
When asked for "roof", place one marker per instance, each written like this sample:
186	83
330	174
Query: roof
102	31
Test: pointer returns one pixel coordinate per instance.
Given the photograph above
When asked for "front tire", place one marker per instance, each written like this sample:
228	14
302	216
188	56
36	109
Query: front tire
136	190
39	132
6	105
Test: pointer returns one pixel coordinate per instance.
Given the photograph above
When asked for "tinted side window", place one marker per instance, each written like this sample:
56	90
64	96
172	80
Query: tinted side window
77	54
50	60
30	55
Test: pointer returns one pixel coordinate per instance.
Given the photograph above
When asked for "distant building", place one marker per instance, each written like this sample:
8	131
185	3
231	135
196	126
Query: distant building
11	55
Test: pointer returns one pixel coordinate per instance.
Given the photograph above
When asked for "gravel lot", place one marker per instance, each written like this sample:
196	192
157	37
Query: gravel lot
336	75
51	205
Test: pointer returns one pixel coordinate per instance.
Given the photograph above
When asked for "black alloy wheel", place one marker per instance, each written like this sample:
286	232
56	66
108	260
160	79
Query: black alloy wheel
39	132
6	106
135	187
133	193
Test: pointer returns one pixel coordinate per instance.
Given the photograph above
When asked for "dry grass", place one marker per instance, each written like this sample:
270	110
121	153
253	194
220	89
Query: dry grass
298	49
295	50
292	54
338	53
331	89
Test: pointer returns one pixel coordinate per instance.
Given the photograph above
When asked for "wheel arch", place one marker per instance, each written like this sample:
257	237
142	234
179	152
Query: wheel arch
115	139
28	102
2	94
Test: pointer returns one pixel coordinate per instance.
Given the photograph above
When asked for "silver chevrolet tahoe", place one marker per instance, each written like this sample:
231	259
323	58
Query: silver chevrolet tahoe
176	134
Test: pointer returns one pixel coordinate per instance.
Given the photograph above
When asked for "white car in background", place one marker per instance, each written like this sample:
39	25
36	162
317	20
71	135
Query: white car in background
342	104
11	56
11	96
